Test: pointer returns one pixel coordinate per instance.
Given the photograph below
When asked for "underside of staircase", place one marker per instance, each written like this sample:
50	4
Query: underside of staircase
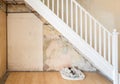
107	67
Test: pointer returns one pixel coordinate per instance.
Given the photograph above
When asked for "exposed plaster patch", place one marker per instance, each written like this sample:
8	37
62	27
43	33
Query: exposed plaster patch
59	53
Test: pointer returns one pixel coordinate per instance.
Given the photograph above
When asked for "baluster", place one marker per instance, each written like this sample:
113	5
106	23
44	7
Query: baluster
86	27
76	19
67	12
62	10
53	5
48	3
115	56
95	35
58	8
100	40
44	1
104	36
81	28
90	31
109	49
71	14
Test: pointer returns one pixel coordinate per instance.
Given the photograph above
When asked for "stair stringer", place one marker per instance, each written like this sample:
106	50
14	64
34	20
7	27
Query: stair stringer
89	53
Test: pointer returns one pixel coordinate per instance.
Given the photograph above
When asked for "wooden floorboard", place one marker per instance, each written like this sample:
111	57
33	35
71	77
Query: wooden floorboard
52	78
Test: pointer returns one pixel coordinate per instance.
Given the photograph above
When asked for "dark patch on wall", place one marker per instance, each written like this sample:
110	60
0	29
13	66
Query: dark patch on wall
15	8
2	6
14	1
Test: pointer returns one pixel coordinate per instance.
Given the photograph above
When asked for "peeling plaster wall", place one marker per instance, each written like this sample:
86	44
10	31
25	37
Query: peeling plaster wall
59	53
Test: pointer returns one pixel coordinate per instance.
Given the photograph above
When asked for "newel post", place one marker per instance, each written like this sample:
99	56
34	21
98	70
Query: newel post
115	56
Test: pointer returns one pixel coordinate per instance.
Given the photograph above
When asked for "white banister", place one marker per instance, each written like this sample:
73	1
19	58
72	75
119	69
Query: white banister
95	36
67	12
90	16
76	19
89	29
81	23
86	27
43	1
104	36
100	40
109	49
58	8
48	3
62	8
71	14
53	5
115	56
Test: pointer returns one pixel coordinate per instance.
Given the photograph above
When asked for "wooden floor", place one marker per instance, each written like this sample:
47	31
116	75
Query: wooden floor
52	78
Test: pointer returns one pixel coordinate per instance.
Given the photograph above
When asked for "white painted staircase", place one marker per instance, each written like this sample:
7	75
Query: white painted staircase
82	30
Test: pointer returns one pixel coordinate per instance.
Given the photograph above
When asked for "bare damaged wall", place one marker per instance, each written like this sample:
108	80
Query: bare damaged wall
59	53
55	46
107	12
2	43
26	47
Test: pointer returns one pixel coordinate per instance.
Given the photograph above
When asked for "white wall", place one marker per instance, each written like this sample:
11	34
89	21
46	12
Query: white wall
25	50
